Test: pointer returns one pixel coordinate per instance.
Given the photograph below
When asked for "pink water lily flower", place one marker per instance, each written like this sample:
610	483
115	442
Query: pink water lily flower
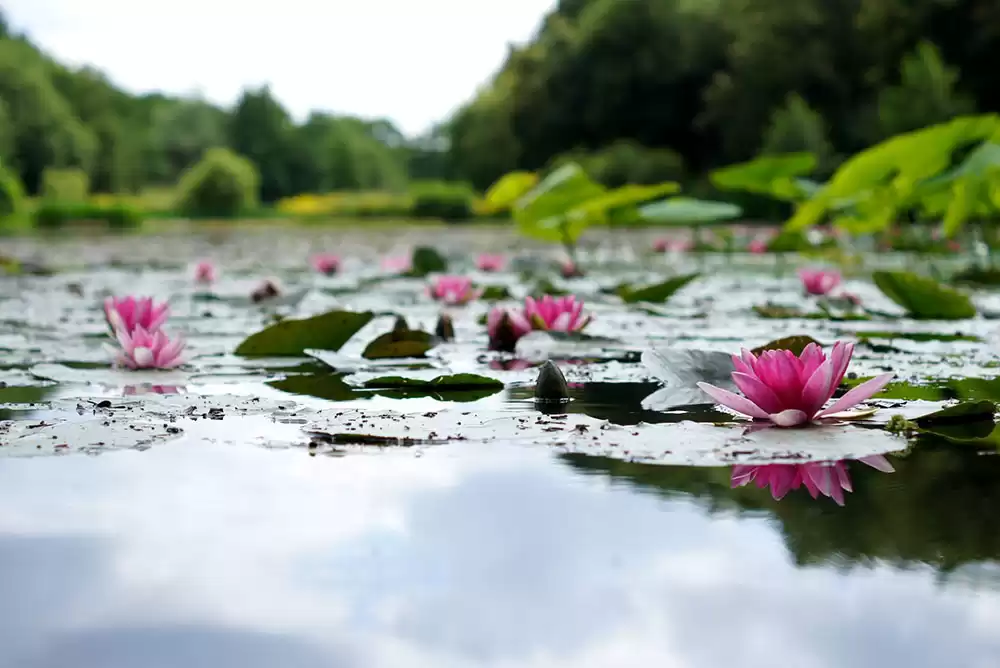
757	246
665	245
556	314
819	281
454	290
204	272
570	269
141	349
397	264
491	262
326	263
789	390
131	312
505	327
826	478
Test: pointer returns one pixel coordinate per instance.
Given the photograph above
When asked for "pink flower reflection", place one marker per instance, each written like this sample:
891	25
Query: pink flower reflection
826	478
132	390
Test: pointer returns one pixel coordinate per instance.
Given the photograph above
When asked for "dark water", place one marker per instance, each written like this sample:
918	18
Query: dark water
238	542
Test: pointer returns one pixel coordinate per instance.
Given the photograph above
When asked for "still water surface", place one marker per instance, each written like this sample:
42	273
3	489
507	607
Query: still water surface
235	543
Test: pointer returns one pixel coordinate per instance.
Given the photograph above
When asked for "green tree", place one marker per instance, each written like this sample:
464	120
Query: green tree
261	130
796	127
221	184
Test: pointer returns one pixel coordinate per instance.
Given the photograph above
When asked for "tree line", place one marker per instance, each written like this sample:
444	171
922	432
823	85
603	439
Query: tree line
633	90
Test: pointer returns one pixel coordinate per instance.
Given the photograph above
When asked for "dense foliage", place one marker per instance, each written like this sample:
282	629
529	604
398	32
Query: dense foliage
634	91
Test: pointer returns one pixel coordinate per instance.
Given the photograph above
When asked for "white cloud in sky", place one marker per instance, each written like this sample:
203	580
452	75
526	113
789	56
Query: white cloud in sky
413	62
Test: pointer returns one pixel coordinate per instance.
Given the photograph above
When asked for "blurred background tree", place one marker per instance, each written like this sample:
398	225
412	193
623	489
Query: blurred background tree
636	90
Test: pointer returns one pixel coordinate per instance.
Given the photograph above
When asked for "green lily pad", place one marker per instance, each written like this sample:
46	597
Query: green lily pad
657	293
918	336
967	411
492	293
924	298
290	338
399	343
978	276
427	260
446	383
329	386
796	344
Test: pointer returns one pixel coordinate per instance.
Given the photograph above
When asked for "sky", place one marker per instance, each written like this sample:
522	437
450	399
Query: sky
412	61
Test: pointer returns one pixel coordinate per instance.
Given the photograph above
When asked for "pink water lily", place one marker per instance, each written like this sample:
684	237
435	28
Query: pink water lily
131	312
665	245
819	281
557	314
491	262
757	246
453	290
827	478
326	263
570	269
142	349
789	390
204	272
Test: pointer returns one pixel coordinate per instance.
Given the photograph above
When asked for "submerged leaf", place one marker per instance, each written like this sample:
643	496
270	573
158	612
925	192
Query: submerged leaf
327	331
924	298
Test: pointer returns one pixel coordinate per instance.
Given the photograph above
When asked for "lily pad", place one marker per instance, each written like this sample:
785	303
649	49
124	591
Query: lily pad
966	411
492	293
796	344
659	292
924	298
453	382
399	344
328	331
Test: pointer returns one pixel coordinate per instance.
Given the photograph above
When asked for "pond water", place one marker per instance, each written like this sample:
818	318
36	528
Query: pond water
222	514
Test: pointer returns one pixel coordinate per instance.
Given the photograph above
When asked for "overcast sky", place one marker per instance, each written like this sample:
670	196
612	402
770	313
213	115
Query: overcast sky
413	61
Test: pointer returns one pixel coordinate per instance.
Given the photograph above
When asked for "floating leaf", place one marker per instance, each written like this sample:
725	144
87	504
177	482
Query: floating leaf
796	344
399	343
327	386
446	383
680	370
492	293
966	411
327	331
658	293
924	298
688	211
427	260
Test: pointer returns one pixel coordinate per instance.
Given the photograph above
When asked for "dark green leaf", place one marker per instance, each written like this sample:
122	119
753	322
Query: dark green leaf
408	343
447	383
658	293
967	411
327	331
794	343
427	260
322	386
924	298
492	293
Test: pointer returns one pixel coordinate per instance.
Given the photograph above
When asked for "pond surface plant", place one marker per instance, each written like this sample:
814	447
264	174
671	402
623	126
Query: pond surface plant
535	478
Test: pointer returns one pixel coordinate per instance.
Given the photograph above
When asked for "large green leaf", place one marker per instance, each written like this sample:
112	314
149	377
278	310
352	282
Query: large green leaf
688	211
511	187
657	293
544	213
897	165
290	338
623	197
773	175
924	298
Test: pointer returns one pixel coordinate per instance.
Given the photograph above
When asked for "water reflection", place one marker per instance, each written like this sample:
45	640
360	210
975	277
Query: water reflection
830	479
148	388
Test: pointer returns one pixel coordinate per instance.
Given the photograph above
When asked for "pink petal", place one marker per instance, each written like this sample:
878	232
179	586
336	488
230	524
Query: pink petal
879	463
143	357
757	392
817	388
733	401
562	322
841	356
860	393
789	418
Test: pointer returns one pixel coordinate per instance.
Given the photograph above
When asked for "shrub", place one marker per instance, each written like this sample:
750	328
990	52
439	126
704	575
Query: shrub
451	202
626	161
65	185
222	184
53	214
11	195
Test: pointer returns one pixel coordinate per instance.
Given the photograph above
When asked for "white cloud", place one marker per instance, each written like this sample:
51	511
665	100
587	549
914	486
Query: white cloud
413	62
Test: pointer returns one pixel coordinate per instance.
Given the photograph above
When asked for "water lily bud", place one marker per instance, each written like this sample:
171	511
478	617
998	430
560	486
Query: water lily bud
445	329
401	325
551	385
